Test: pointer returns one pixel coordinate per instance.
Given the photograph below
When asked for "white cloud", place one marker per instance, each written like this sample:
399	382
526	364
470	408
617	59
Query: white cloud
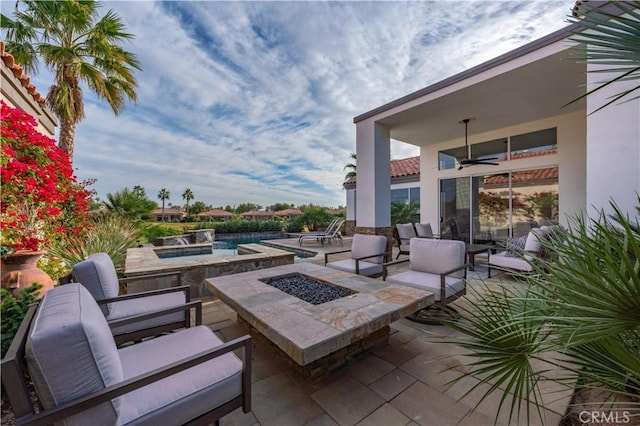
254	101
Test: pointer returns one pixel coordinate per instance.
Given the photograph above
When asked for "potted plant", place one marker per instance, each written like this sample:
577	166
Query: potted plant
41	200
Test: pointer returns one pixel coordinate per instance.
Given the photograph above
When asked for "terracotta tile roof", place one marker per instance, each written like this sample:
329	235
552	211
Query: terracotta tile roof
401	168
167	211
288	212
257	213
534	154
16	69
215	213
524	176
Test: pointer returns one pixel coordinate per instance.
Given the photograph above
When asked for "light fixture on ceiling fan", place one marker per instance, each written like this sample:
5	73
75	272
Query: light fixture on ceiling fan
467	160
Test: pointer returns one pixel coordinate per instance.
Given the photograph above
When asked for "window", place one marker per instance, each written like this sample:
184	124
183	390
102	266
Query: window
400	196
491	208
496	149
447	158
542	142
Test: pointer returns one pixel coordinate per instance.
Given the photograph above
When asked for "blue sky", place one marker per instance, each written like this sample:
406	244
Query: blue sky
254	101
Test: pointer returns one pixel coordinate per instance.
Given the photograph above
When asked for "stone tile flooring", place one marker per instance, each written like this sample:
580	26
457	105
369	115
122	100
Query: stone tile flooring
405	382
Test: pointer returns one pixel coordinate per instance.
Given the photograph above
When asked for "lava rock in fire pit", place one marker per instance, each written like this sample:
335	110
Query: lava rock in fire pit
306	288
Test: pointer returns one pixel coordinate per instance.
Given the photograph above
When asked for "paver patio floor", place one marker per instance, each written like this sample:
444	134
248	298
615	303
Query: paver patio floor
404	382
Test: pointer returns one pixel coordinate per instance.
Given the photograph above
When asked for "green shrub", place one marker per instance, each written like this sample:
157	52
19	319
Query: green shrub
13	310
151	232
111	234
241	225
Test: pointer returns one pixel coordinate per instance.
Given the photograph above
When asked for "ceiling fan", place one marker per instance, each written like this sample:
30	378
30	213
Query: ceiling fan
467	161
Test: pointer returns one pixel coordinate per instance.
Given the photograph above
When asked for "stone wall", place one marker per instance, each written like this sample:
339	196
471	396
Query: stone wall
144	261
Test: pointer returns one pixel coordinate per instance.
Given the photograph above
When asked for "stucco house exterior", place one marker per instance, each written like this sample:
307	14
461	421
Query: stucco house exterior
518	102
405	186
168	215
215	215
18	91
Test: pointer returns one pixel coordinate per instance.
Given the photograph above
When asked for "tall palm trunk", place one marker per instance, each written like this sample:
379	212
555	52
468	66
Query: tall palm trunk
67	135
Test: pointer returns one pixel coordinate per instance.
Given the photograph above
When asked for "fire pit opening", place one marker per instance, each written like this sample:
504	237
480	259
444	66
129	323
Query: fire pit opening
309	289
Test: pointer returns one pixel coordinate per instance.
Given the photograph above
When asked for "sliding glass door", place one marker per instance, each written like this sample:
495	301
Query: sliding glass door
488	209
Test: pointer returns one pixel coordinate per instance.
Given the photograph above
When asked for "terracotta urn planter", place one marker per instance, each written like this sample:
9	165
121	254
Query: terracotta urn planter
19	270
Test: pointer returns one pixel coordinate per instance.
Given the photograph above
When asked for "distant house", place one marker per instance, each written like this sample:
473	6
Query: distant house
18	91
170	215
257	215
215	215
287	214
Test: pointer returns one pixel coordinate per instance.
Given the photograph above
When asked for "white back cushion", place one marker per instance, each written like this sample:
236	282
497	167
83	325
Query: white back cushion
437	256
368	245
71	352
423	230
534	237
99	276
406	231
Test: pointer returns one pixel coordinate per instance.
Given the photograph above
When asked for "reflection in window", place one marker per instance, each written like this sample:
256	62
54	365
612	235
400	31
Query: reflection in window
400	196
496	149
542	142
447	159
502	205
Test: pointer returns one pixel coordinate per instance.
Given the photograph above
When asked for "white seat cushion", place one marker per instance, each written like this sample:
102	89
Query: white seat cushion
516	263
349	265
429	282
144	305
188	394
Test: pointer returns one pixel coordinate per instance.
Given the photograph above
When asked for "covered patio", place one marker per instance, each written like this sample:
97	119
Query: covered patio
515	102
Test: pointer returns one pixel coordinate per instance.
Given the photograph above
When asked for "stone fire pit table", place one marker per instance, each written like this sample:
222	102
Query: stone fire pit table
318	338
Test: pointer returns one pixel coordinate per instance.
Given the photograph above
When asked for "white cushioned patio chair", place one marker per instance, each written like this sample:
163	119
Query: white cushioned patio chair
82	378
437	266
98	274
521	260
403	233
368	253
424	230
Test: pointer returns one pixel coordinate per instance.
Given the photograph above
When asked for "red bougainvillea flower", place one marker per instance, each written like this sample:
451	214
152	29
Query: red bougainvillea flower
41	200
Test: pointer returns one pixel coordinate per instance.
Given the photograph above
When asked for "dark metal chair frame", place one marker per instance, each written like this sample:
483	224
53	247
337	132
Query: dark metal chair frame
15	378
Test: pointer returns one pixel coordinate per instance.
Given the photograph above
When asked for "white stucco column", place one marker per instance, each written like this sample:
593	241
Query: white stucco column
373	194
613	148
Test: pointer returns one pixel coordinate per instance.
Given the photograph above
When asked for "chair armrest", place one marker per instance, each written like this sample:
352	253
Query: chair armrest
148	276
197	304
81	404
387	264
326	255
373	255
184	288
456	269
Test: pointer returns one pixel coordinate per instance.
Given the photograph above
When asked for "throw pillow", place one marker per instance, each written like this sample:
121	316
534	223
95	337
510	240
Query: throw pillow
515	246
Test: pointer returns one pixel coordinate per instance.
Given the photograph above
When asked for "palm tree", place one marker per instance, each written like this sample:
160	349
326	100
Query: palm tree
405	212
610	40
163	195
130	204
352	168
78	46
187	195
